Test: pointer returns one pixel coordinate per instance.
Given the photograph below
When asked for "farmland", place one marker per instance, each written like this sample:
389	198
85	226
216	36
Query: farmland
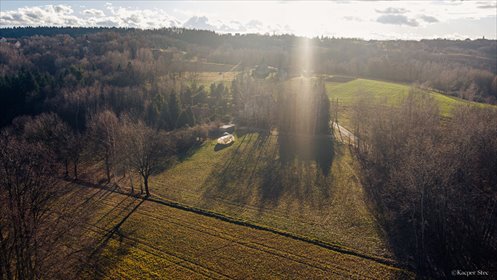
242	181
158	241
388	93
207	78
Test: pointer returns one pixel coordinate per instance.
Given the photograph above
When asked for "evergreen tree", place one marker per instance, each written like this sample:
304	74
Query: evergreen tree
174	109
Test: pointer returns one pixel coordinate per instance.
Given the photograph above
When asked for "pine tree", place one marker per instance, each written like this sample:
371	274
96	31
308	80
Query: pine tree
174	109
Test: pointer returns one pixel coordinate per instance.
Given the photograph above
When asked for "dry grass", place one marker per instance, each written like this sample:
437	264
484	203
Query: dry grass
158	241
207	78
245	181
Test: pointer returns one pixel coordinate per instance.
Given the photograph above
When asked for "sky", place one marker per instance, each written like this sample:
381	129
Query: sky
411	20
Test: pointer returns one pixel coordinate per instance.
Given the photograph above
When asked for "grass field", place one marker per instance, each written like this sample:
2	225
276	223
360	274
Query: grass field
207	78
389	93
247	181
155	241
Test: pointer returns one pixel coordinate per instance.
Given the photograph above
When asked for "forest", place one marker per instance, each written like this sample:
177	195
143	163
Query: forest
126	106
53	72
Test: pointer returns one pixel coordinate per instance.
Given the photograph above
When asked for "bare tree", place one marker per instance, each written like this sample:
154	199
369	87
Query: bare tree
103	131
75	147
433	180
146	148
28	188
50	130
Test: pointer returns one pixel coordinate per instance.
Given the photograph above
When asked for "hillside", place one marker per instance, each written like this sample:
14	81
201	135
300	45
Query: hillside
391	94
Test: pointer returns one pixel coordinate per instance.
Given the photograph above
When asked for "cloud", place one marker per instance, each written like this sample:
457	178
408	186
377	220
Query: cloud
428	19
106	23
63	9
352	18
487	6
233	26
94	12
49	15
197	22
254	24
325	18
145	19
115	16
391	10
63	15
397	20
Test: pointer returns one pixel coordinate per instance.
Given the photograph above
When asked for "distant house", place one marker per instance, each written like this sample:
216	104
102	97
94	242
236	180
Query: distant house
230	128
261	71
3	40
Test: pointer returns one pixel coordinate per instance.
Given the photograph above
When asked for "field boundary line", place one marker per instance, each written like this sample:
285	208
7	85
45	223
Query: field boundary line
326	245
330	246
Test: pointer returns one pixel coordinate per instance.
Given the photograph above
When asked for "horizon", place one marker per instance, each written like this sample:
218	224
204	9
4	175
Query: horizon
330	140
251	34
381	20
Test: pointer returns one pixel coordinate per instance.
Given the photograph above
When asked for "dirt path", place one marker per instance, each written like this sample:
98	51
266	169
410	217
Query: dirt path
344	134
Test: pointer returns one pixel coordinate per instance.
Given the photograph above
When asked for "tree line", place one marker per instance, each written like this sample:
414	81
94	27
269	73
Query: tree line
41	161
75	70
432	181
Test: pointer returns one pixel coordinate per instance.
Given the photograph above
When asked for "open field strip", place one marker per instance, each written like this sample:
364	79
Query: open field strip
232	182
388	93
155	239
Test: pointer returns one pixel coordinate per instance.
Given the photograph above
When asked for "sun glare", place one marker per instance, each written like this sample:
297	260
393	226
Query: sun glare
248	139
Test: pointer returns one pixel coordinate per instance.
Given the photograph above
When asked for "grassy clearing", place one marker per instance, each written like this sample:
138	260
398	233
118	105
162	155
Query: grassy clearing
207	78
247	181
389	93
161	242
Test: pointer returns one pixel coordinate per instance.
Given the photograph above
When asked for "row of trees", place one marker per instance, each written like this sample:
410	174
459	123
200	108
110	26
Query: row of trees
123	144
433	181
40	218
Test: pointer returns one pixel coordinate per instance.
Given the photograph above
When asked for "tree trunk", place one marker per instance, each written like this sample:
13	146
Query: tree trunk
131	183
66	165
145	182
5	272
107	169
75	170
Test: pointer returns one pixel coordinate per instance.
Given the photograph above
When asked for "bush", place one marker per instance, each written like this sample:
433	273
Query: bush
187	138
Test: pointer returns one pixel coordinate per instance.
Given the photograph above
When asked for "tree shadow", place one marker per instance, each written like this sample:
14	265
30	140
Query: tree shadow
317	148
87	234
105	255
186	154
258	173
219	147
